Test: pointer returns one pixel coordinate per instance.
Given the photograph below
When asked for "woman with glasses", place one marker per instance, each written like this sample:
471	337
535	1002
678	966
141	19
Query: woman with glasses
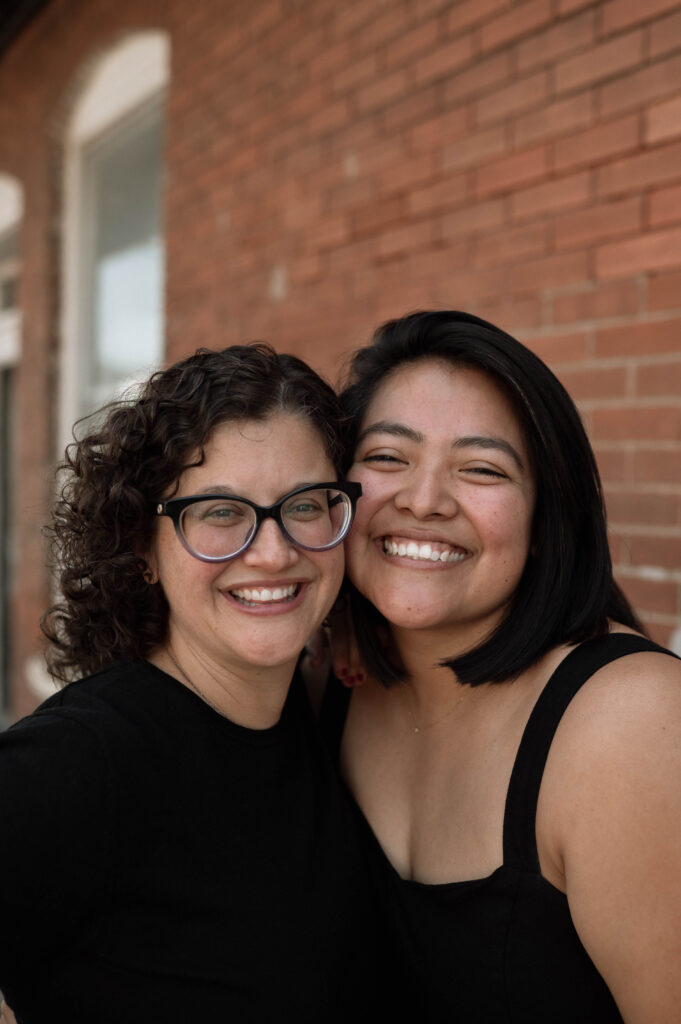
175	844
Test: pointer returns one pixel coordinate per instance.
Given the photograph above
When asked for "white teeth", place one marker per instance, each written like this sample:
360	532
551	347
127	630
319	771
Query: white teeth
422	552
263	595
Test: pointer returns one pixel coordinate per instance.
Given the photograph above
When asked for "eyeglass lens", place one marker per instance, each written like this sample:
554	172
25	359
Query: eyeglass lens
219	527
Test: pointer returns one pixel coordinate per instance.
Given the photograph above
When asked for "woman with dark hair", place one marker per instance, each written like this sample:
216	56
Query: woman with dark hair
175	843
515	747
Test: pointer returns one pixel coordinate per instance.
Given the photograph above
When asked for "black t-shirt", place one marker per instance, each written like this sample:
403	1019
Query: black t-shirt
159	862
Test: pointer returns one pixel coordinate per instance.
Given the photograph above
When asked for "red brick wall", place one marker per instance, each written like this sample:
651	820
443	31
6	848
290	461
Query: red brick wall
331	164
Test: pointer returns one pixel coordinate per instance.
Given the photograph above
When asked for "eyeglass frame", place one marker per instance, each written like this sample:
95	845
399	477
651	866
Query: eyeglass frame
174	507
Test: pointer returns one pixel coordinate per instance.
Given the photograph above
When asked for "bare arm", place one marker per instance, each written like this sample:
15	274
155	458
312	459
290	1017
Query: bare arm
618	831
6	1015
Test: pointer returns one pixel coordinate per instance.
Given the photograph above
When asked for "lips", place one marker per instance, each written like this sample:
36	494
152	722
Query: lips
423	551
255	597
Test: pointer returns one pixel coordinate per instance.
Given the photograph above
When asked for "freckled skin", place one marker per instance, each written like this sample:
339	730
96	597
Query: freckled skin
476	497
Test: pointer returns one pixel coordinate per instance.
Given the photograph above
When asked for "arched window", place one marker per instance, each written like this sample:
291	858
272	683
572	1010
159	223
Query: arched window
11	212
112	303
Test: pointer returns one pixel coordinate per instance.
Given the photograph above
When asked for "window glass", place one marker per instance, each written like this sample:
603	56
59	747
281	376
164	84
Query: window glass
123	249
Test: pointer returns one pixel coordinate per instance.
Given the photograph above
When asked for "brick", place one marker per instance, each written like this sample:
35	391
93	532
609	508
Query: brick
354	73
348	18
381	92
405	239
643	170
415	107
664	291
482	75
640	507
511	245
474	218
638	88
657	466
620	14
663	551
595	383
638	339
419	38
665	206
597	223
613	465
559	39
600	302
659	250
560	193
645	423
518	314
665	34
474	149
663	121
596	144
570	6
441	195
522	19
599	62
659	379
507	174
514	98
384	28
442	128
552	119
407	175
559	348
329	119
549	272
650	595
443	60
377	215
470	12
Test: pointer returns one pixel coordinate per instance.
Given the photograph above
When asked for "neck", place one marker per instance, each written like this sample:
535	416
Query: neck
252	697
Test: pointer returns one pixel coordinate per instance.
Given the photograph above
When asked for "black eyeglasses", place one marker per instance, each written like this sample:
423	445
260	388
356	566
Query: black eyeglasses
217	527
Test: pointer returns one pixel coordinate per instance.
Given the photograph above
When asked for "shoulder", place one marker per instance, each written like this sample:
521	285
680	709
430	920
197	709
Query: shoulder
612	807
115	711
628	700
615	760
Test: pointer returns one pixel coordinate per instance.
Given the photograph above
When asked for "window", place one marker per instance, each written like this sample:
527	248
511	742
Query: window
112	327
122	250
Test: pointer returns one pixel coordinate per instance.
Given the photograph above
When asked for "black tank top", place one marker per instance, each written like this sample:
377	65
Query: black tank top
501	948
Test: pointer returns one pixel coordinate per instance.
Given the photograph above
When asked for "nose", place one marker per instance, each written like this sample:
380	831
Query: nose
271	549
427	494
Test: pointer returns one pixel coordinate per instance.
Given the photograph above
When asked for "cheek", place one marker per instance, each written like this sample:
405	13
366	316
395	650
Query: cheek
331	567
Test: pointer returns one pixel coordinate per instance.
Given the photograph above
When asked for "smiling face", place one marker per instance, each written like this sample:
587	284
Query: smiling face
442	532
259	609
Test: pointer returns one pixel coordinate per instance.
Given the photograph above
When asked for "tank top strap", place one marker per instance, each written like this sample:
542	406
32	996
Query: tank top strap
520	841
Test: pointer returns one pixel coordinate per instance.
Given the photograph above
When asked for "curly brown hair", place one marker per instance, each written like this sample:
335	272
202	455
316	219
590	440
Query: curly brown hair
133	452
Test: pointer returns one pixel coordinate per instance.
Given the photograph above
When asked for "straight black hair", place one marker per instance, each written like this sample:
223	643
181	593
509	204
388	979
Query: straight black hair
567	592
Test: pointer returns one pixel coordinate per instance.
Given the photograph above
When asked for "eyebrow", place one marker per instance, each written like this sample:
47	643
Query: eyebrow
471	441
225	489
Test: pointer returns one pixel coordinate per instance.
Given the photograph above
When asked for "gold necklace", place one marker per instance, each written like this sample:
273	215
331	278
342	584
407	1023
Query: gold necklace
191	685
429	725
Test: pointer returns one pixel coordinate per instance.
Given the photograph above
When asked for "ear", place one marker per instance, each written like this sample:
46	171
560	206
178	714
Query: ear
148	566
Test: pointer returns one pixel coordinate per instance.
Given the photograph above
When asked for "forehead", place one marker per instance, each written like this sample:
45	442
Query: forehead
253	456
454	397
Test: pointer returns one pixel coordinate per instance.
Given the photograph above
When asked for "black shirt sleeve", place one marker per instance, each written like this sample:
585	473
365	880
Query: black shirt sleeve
57	819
